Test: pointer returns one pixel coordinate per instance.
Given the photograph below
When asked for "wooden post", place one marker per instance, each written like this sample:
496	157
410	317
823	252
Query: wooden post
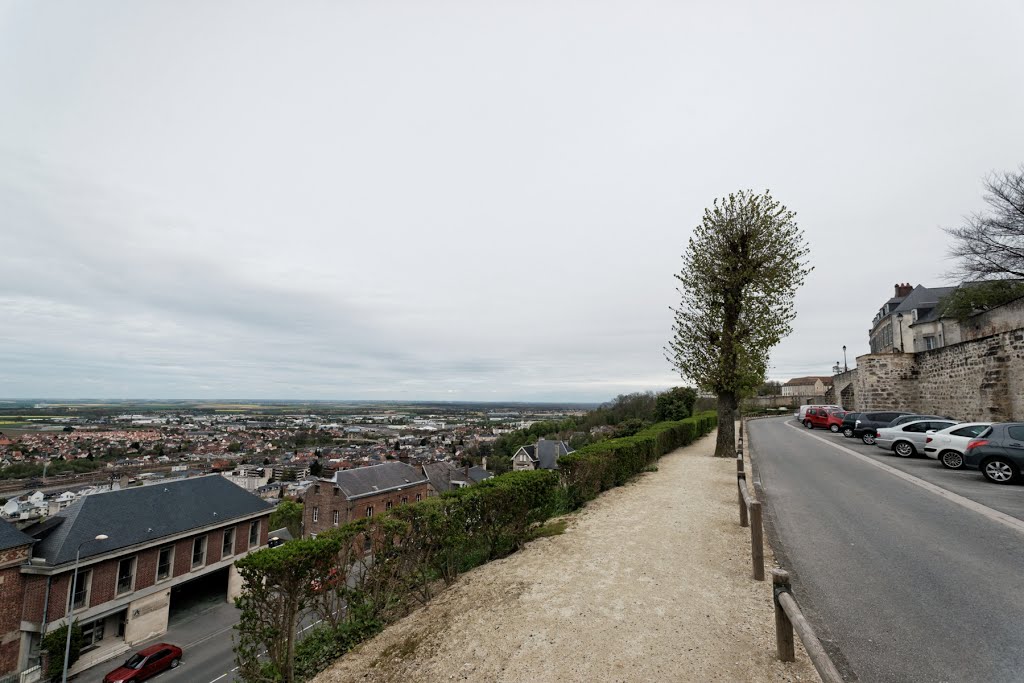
739	463
741	484
784	644
756	540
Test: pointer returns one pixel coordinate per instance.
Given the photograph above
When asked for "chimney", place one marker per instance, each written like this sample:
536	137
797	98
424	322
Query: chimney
903	289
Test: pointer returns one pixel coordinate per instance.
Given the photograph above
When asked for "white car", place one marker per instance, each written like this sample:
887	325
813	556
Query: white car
948	445
908	438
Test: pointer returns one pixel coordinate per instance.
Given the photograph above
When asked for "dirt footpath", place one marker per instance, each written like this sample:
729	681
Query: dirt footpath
650	582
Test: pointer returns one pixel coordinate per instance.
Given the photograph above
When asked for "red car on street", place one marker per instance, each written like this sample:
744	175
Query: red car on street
145	664
835	420
824	418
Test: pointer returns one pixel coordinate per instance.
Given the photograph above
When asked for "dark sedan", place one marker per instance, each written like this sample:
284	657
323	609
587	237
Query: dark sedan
998	452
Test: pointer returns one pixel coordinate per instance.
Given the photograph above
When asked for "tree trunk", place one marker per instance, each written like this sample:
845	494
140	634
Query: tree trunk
725	447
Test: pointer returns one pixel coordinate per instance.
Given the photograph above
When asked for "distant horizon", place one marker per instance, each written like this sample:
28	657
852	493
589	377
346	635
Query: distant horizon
52	399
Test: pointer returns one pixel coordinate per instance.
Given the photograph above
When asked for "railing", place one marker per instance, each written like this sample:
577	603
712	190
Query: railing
750	514
789	617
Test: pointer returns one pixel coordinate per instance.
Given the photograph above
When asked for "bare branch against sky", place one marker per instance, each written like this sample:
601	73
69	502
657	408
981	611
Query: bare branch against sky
467	200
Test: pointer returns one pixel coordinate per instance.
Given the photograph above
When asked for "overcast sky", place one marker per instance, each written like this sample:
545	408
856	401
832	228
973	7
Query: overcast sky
464	200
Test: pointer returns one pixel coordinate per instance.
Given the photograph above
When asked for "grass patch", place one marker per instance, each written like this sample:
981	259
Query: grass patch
554	528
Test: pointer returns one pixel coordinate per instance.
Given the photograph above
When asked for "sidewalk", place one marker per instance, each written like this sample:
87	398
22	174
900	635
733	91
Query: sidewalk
650	582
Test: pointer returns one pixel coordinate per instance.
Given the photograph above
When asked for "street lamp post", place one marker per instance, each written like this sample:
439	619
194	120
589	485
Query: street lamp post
846	368
71	602
899	321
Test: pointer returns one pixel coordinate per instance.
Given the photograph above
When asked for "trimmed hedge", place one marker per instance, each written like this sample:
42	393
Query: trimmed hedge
361	576
601	466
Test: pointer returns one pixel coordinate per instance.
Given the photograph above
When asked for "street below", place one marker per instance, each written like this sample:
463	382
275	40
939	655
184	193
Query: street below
904	583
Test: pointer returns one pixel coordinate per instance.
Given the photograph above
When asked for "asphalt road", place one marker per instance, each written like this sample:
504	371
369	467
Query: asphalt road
903	583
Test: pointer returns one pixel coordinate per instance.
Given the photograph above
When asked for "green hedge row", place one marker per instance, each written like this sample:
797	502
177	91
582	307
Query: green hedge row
601	466
357	578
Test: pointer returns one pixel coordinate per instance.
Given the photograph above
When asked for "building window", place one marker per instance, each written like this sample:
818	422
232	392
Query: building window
929	343
369	511
405	499
254	534
92	634
163	563
125	575
387	506
316	514
198	552
336	516
228	547
335	491
316	489
80	598
419	497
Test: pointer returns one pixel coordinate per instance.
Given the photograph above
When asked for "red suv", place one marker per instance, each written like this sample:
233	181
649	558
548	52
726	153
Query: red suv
823	418
835	420
145	664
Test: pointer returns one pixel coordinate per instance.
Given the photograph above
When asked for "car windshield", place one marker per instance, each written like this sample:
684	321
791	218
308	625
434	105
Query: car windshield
135	661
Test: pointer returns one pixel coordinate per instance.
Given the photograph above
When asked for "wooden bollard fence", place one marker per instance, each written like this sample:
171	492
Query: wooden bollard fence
756	540
741	485
789	617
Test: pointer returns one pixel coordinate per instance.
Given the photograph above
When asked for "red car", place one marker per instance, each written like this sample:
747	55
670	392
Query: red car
821	417
835	420
146	663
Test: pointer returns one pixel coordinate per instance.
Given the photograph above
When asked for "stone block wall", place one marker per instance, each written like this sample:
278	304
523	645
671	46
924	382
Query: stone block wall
980	379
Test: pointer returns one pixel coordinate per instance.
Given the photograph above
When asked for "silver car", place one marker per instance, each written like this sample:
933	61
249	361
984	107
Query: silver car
909	438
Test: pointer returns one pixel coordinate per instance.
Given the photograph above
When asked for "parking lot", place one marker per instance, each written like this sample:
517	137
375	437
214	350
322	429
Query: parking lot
1008	499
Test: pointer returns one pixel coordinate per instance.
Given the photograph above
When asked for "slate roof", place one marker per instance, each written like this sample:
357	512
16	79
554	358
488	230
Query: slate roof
548	453
442	474
140	514
10	537
922	297
363	481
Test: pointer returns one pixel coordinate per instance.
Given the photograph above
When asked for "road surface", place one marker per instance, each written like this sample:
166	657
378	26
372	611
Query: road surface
905	583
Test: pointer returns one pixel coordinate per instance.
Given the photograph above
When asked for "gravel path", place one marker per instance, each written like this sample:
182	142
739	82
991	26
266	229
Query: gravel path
650	582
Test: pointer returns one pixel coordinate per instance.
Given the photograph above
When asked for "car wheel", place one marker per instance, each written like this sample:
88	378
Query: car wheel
904	449
808	424
951	460
999	470
834	429
848	433
869	439
175	662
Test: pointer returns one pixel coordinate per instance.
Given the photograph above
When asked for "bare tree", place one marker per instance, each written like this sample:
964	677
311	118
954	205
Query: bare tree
990	244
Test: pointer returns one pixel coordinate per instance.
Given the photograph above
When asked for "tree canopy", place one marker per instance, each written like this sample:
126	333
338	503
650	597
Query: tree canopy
740	273
990	243
977	297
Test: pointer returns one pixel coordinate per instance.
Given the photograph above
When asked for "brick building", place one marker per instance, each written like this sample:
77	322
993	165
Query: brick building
168	544
15	548
361	492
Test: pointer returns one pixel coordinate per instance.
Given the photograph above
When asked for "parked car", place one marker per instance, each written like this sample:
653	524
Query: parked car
998	452
802	413
867	424
817	416
908	439
948	445
835	420
146	664
914	417
848	424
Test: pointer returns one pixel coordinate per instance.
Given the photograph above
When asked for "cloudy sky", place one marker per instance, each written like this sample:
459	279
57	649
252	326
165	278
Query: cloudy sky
465	200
